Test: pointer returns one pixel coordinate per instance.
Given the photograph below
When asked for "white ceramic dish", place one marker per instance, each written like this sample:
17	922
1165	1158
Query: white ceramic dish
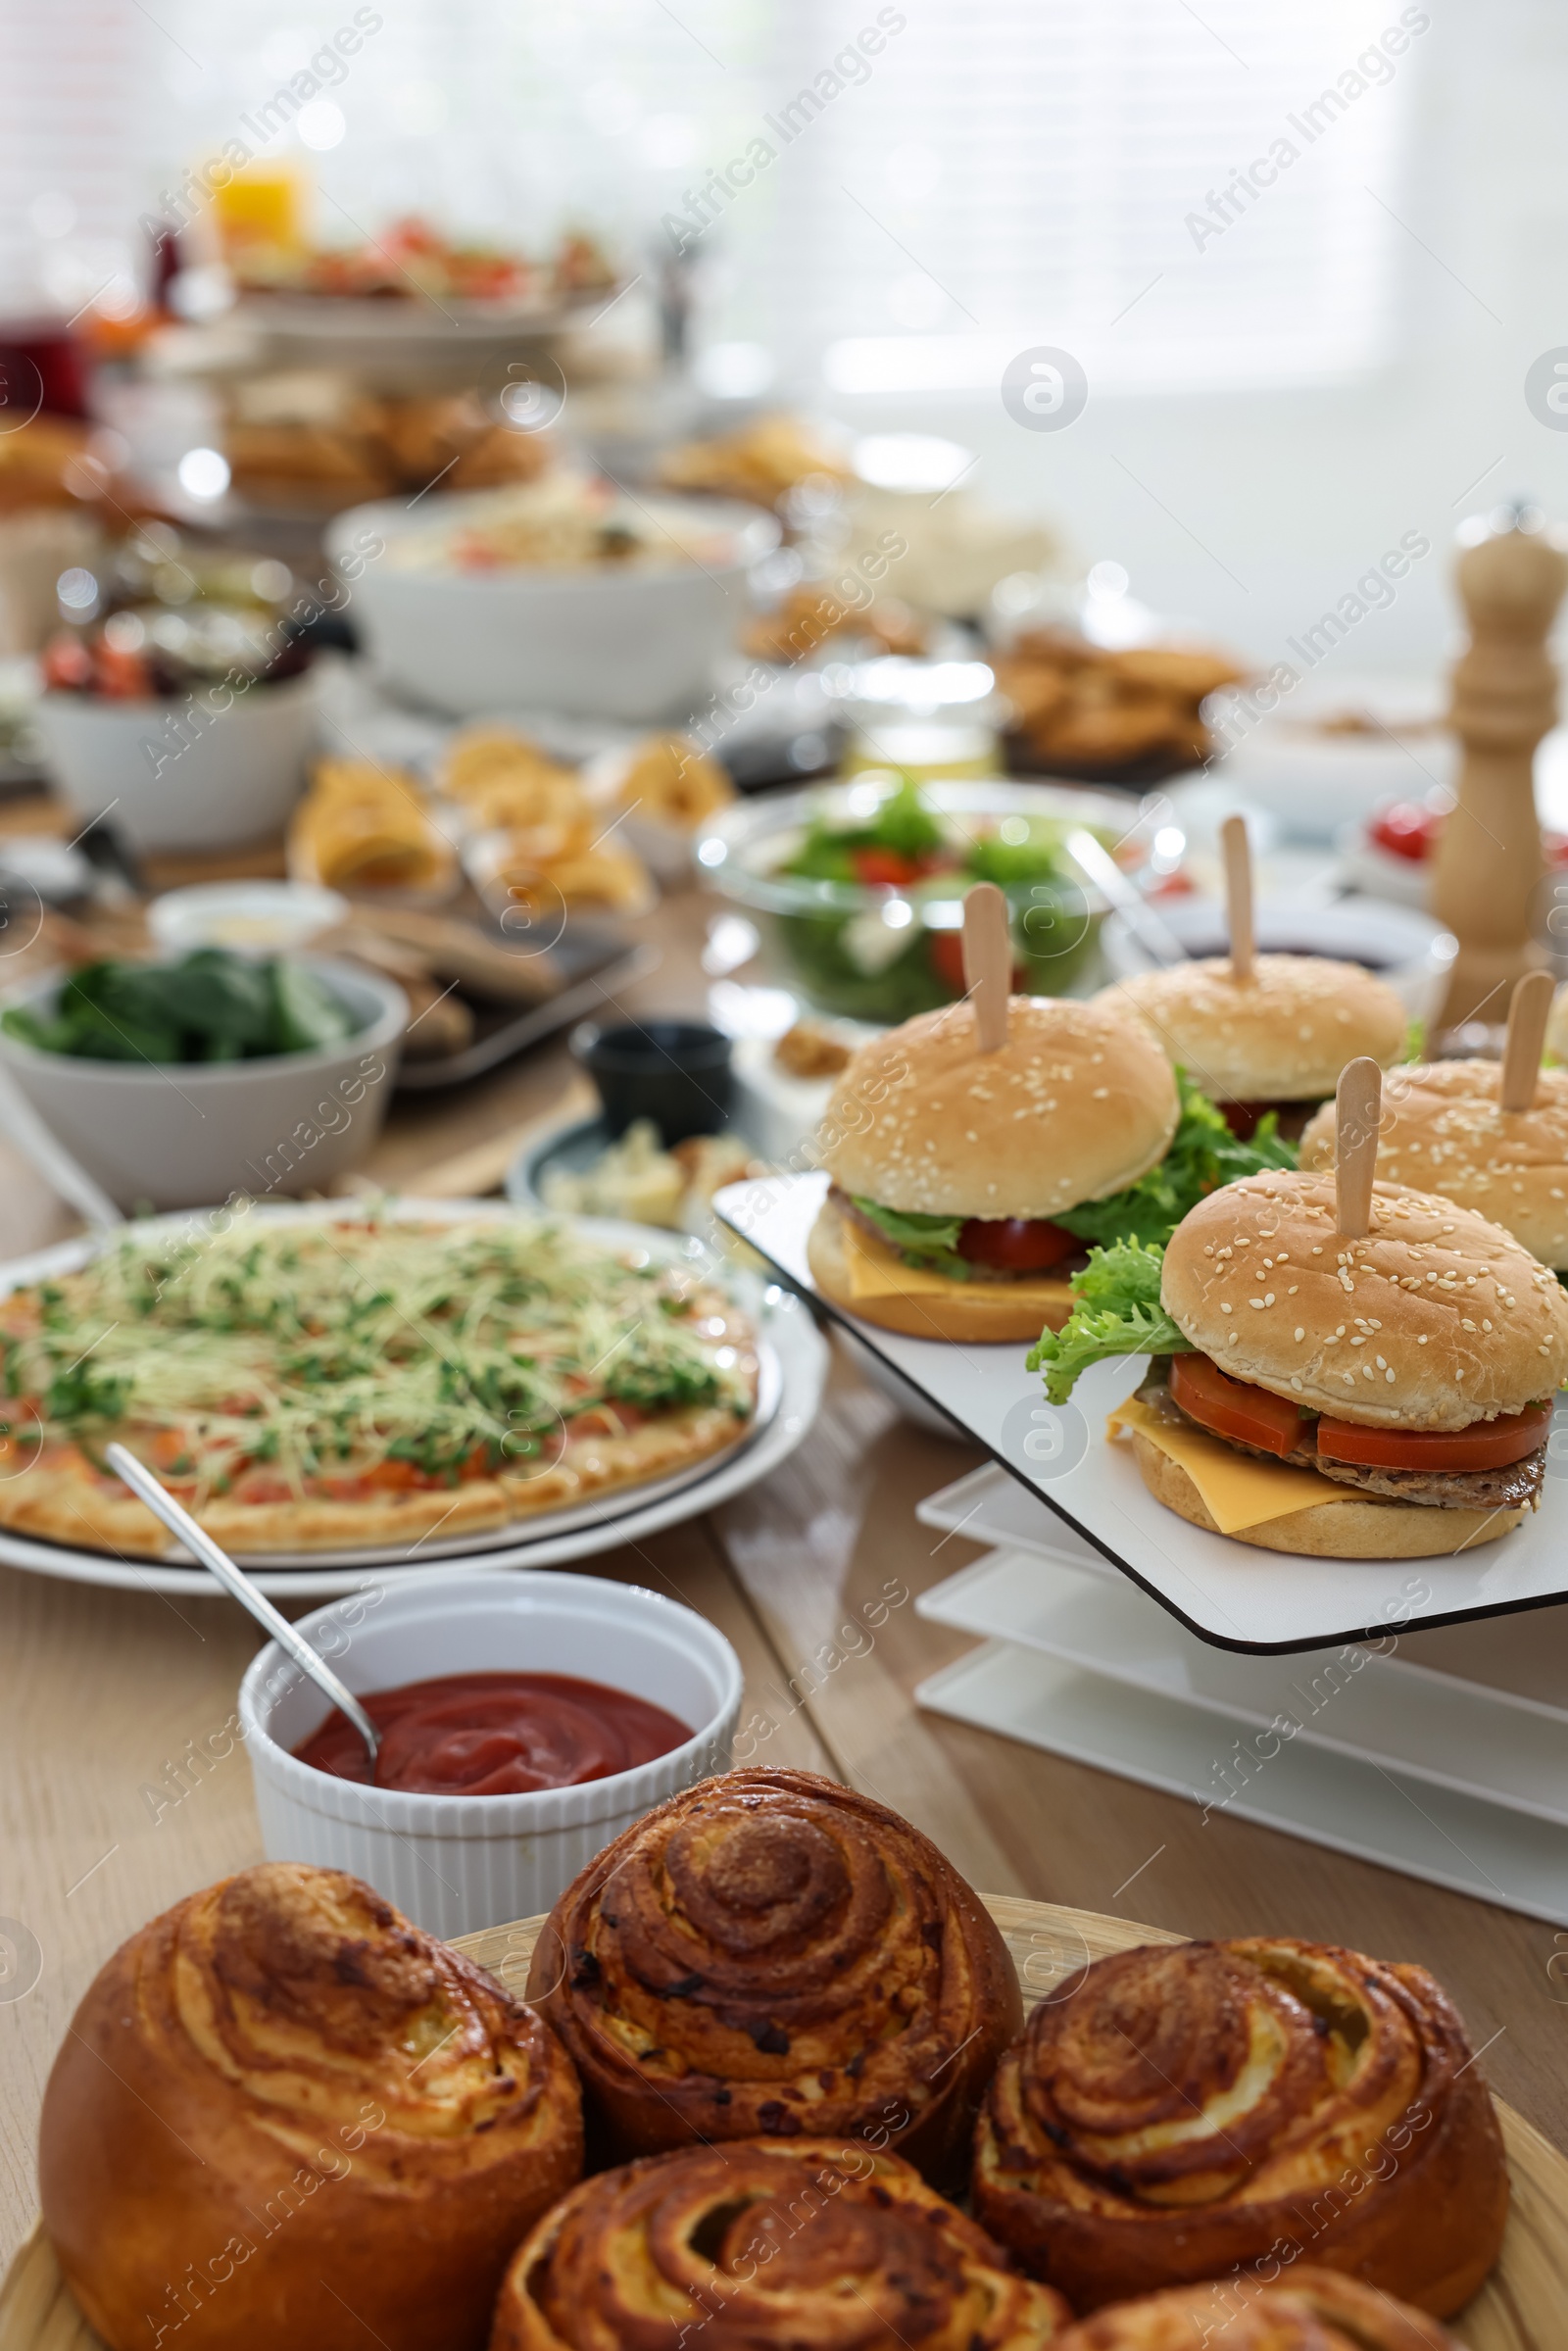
184	773
189	1134
1403	945
1227	1592
794	1370
618	642
458	1863
1312	782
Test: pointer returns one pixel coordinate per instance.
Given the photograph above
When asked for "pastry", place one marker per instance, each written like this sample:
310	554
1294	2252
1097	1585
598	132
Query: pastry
364	827
1184	2110
669	780
1302	2309
766	2244
769	1954
284	2119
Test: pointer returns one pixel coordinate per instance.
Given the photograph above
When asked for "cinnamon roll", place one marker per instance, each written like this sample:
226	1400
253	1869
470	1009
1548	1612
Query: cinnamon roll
283	2117
1182	2110
766	2243
1305	2310
770	1956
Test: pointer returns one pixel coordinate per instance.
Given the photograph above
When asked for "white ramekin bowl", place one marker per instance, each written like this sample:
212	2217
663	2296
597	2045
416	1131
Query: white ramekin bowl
458	1863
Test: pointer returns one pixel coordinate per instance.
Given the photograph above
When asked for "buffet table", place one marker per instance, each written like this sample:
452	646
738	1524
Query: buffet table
123	1788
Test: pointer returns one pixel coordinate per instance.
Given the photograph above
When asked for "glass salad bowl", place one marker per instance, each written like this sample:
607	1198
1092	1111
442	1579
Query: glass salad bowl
862	883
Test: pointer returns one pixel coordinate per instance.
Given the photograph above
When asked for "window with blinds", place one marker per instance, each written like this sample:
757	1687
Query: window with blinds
890	196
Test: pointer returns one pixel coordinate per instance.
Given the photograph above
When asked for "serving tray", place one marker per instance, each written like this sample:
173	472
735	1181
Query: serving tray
1221	1587
1519	2308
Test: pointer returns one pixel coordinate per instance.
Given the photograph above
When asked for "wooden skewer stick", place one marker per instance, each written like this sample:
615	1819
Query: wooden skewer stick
987	962
1238	894
1358	1110
1528	1014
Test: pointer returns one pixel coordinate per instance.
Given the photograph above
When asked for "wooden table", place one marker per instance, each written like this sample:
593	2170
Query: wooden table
102	1693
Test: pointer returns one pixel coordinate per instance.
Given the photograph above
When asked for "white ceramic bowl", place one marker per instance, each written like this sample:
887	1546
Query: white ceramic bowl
1408	949
226	776
618	642
191	1134
1312	782
458	1863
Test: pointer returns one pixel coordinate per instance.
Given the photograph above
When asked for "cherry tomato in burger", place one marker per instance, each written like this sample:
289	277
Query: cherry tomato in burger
1015	1244
1234	1409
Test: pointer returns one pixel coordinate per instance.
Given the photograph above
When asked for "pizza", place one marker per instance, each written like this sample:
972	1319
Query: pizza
307	1385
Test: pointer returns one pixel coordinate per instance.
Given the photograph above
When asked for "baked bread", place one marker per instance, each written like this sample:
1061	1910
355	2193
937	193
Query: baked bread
1442	1131
1283	1034
1303	2309
1183	2110
285	2118
769	1954
767	2243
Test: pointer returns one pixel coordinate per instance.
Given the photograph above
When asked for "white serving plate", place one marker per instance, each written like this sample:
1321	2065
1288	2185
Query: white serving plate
1330	1799
793	1361
1225	1591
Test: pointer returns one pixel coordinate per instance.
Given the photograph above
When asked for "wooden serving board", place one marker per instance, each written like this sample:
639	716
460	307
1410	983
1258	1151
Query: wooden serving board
1519	2308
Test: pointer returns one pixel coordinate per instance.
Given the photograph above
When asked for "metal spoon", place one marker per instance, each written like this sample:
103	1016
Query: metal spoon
179	1520
1098	865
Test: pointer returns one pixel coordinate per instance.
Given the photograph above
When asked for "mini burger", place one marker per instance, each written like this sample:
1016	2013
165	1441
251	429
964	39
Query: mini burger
1415	1365
1442	1129
1275	1038
968	1185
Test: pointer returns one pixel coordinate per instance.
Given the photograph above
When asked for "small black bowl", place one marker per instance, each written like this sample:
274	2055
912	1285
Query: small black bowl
675	1072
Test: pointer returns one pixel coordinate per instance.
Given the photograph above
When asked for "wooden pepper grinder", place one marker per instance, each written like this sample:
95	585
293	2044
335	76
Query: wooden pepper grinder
1489	861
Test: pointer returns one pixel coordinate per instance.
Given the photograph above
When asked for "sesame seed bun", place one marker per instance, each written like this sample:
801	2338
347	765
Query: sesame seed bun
1362	1529
977	1312
1077	1104
1283	1035
1441	1129
1434	1319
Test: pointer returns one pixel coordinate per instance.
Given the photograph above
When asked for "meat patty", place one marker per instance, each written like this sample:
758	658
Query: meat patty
1515	1487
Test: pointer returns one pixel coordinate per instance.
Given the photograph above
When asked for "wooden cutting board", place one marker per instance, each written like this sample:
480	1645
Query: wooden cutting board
1521	2307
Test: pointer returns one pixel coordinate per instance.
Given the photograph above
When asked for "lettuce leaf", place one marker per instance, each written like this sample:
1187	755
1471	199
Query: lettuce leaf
1117	1313
920	1240
1204	1154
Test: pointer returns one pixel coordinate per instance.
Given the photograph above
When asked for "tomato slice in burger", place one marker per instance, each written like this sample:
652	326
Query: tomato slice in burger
1483	1445
1015	1244
1233	1407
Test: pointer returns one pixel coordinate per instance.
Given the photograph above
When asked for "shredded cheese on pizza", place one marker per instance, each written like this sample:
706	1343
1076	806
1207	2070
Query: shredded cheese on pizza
363	1350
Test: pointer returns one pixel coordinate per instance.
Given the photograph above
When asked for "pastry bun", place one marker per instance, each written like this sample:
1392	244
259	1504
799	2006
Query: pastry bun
284	2119
1283	1034
769	1954
1183	2111
1434	1319
1077	1104
1302	2309
1442	1131
978	1311
767	2243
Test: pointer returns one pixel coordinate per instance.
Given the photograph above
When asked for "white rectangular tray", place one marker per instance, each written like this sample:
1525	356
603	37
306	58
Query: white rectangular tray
1329	1799
1225	1591
1491	1745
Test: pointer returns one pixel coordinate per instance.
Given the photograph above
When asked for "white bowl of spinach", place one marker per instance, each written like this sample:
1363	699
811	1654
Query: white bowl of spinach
180	1084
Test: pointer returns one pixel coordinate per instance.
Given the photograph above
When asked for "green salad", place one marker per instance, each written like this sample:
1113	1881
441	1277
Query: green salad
853	960
1203	1154
209	1007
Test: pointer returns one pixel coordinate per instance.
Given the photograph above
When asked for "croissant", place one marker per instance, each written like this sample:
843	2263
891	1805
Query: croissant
769	1955
1182	2110
284	2119
1303	2310
766	2243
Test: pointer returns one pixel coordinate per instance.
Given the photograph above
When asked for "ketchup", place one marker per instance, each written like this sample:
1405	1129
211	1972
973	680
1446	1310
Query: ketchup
496	1734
